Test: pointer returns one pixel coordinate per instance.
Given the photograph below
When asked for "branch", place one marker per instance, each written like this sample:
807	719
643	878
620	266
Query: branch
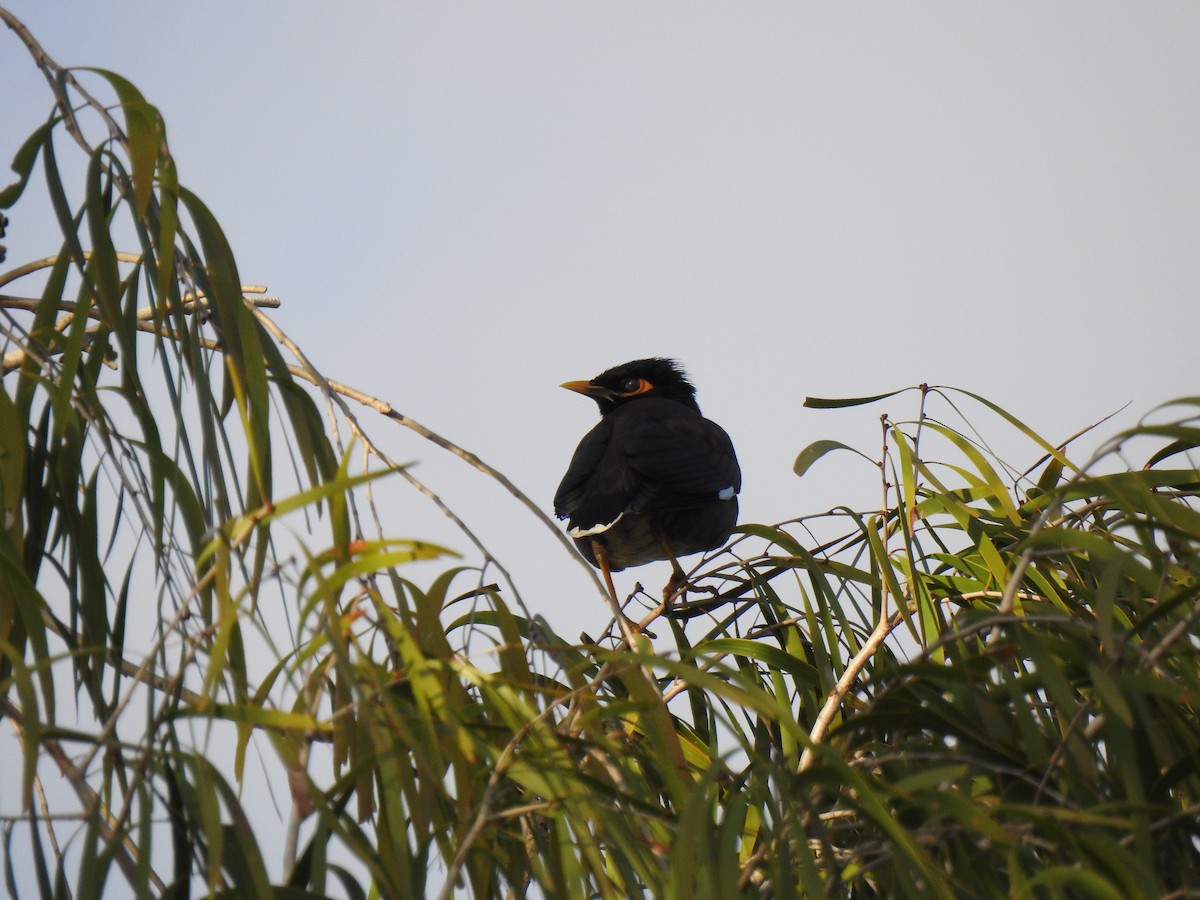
58	78
820	727
191	303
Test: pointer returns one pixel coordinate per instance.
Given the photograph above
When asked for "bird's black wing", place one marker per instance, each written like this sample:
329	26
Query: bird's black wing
595	490
678	458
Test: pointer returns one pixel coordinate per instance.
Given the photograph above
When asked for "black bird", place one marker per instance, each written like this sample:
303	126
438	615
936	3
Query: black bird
654	479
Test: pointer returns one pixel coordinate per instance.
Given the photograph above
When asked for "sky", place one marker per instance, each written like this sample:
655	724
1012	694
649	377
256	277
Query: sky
463	205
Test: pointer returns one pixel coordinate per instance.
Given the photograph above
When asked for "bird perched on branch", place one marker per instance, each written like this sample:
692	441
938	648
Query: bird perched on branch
654	479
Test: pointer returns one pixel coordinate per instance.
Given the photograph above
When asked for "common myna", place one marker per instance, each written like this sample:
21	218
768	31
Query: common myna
654	479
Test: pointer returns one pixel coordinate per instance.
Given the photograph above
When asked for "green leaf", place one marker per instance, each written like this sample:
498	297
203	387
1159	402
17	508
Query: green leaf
241	340
770	656
142	132
13	447
817	449
67	223
825	403
103	263
23	162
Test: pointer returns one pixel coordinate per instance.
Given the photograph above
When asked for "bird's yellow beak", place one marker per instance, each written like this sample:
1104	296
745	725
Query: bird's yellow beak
583	387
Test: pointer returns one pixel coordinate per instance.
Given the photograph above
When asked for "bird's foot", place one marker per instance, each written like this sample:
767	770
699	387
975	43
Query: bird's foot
676	588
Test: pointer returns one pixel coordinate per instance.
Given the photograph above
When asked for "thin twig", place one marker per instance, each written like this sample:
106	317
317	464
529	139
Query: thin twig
883	627
123	847
308	372
385	409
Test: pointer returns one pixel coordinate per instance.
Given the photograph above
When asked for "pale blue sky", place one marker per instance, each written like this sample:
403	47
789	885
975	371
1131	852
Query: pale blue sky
463	205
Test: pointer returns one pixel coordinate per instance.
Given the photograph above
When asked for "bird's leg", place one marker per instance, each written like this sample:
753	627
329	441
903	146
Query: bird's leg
601	554
628	627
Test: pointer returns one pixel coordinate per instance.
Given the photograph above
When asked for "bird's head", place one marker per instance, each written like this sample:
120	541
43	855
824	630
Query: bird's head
655	377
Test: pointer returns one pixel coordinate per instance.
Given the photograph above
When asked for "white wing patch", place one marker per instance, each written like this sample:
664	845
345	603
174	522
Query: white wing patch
595	529
726	493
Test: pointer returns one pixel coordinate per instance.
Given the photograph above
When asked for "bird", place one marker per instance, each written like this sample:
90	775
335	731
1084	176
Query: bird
654	479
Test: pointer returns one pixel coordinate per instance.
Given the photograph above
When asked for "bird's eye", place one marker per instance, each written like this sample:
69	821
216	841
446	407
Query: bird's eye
634	385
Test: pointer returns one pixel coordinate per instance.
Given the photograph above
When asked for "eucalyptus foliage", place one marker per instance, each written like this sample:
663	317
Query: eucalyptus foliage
985	687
